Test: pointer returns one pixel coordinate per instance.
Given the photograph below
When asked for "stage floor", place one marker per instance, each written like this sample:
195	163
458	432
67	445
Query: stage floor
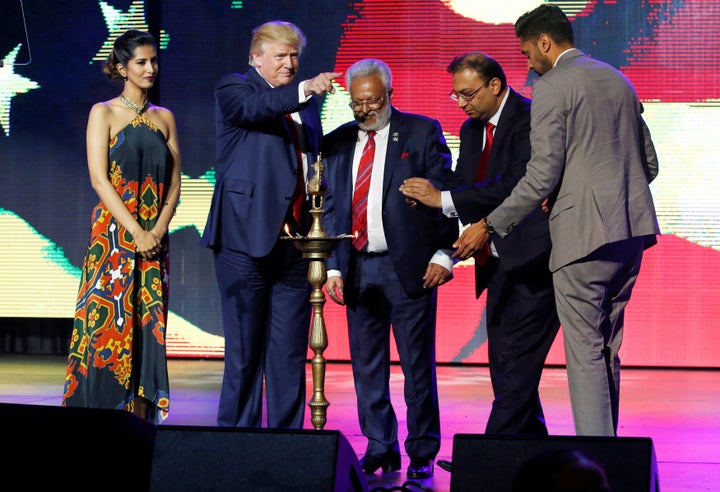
678	409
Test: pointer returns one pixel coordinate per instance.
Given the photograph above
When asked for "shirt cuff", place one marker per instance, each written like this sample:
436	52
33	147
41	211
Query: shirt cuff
442	257
448	206
302	98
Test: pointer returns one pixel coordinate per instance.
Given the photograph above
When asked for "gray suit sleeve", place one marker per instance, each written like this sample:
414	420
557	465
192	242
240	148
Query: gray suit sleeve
650	160
548	129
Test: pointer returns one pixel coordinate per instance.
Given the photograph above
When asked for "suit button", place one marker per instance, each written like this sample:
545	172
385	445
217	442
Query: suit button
288	197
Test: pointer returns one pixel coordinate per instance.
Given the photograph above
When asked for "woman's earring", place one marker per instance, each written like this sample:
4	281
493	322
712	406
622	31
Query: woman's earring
125	78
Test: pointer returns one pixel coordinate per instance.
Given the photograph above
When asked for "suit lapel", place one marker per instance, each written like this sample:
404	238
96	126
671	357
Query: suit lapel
472	149
394	145
259	82
254	77
346	164
309	128
501	131
505	124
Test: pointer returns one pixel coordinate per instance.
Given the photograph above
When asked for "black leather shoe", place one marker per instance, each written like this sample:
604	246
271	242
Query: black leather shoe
420	468
389	463
445	465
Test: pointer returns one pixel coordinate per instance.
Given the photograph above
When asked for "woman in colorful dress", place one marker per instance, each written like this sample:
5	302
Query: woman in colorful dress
117	354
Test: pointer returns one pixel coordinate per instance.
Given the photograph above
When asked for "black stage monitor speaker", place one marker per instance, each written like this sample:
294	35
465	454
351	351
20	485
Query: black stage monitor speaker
59	448
188	458
494	463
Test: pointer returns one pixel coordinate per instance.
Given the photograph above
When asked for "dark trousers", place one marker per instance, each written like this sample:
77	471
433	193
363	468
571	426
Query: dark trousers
266	319
522	323
382	304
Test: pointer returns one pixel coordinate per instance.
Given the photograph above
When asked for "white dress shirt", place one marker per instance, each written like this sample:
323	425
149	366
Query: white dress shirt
377	243
448	206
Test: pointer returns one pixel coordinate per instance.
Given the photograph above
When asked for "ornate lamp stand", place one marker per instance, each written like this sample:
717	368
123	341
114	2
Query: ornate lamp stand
316	246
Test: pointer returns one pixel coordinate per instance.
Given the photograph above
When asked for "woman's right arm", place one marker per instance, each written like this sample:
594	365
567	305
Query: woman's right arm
97	139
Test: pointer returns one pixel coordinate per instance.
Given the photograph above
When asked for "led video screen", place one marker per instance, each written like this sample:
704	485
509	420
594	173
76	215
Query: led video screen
51	54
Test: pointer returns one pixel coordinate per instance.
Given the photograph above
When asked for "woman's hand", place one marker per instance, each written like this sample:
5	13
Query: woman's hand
147	243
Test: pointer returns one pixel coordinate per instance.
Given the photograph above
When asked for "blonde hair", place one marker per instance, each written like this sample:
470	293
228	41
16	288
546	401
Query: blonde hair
275	32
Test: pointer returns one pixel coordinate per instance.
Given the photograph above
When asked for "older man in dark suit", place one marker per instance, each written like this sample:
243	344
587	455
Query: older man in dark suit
388	275
268	129
521	318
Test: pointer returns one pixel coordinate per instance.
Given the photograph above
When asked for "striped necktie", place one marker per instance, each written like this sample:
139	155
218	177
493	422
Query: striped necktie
360	195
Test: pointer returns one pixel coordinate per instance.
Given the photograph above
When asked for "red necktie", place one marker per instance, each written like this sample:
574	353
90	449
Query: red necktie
481	172
299	194
484	253
360	195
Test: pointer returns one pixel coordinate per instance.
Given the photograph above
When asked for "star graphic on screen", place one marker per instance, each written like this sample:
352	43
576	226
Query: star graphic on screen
10	85
119	21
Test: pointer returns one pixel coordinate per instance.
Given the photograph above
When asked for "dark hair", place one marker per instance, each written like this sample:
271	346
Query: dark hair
485	66
123	49
546	19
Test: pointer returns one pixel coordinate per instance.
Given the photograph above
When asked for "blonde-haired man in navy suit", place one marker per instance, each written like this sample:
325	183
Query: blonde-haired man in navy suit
267	130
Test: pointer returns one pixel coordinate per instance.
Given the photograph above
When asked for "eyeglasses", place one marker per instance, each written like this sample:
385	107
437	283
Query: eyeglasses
456	96
372	104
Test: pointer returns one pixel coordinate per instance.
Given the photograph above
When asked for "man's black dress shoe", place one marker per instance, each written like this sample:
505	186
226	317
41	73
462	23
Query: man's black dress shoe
445	465
420	468
389	463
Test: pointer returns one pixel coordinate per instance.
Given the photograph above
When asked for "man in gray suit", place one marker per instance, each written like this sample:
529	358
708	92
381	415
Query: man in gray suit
593	158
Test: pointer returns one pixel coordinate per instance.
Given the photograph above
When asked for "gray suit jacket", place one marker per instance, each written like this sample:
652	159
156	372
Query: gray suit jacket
592	153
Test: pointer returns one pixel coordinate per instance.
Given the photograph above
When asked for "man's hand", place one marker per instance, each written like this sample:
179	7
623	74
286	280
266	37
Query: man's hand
545	205
334	287
470	241
423	191
436	275
321	83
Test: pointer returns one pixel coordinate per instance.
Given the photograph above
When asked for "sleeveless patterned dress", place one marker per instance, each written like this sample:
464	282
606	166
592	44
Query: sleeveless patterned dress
117	347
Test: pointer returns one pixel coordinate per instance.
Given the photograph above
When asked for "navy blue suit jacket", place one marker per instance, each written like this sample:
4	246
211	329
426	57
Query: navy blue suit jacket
530	241
256	161
416	148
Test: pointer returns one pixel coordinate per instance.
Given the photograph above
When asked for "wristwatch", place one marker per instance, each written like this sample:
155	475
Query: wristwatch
488	227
